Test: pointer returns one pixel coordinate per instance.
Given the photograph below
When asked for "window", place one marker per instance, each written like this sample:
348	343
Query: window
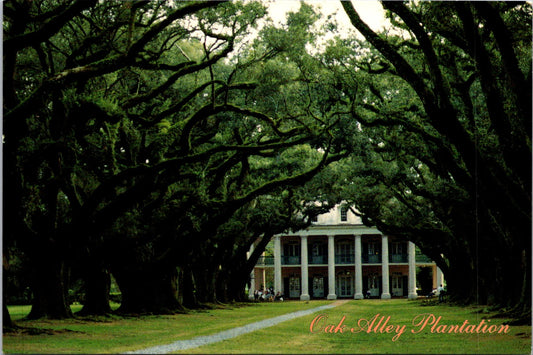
318	249
294	287
344	214
291	253
395	282
344	252
373	281
291	249
318	254
397	248
372	248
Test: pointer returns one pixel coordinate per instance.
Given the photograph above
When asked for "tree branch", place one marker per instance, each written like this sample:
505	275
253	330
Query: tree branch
50	28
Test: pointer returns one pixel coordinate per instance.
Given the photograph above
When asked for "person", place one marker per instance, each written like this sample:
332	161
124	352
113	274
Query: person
441	292
256	295
270	294
278	297
368	294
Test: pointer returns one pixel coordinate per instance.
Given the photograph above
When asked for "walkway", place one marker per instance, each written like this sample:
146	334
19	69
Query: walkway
231	333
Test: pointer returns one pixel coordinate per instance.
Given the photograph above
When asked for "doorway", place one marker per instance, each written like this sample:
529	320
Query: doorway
397	284
373	284
344	285
294	287
318	287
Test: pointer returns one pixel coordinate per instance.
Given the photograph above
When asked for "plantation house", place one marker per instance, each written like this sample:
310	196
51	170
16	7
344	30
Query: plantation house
339	257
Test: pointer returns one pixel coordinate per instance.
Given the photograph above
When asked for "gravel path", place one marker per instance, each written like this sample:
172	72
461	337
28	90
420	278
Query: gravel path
231	333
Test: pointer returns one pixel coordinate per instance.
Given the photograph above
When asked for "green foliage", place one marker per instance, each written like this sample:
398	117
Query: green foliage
438	105
161	128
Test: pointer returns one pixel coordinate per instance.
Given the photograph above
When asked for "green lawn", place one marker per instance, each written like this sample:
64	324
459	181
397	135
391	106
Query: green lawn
296	335
122	334
117	335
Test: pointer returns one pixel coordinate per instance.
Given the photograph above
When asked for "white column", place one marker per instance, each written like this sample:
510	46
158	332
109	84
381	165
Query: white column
331	268
440	277
385	294
277	265
411	259
252	275
358	270
305	274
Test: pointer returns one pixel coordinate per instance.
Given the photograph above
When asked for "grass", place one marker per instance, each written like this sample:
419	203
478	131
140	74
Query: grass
117	335
297	338
19	312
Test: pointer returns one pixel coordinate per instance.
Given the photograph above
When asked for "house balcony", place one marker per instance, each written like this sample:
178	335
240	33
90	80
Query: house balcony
398	258
341	259
344	259
290	260
318	259
371	258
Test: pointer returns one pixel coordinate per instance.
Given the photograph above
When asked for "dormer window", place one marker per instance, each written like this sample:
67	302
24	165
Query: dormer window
344	214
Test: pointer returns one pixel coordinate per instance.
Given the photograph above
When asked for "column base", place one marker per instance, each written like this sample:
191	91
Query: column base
304	297
358	296
332	296
412	296
385	296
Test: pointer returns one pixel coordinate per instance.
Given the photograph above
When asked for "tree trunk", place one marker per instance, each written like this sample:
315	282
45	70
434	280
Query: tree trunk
238	289
97	286
152	289
49	289
235	281
522	311
189	289
7	322
206	289
460	279
211	279
223	287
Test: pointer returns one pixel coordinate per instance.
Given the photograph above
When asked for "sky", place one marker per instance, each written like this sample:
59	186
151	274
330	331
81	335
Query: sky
369	10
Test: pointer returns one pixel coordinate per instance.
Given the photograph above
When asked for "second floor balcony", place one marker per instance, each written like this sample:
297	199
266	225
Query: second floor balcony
291	260
398	258
371	258
341	259
344	258
318	259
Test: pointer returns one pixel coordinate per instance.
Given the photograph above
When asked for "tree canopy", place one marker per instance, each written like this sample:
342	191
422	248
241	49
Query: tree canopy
156	141
449	108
